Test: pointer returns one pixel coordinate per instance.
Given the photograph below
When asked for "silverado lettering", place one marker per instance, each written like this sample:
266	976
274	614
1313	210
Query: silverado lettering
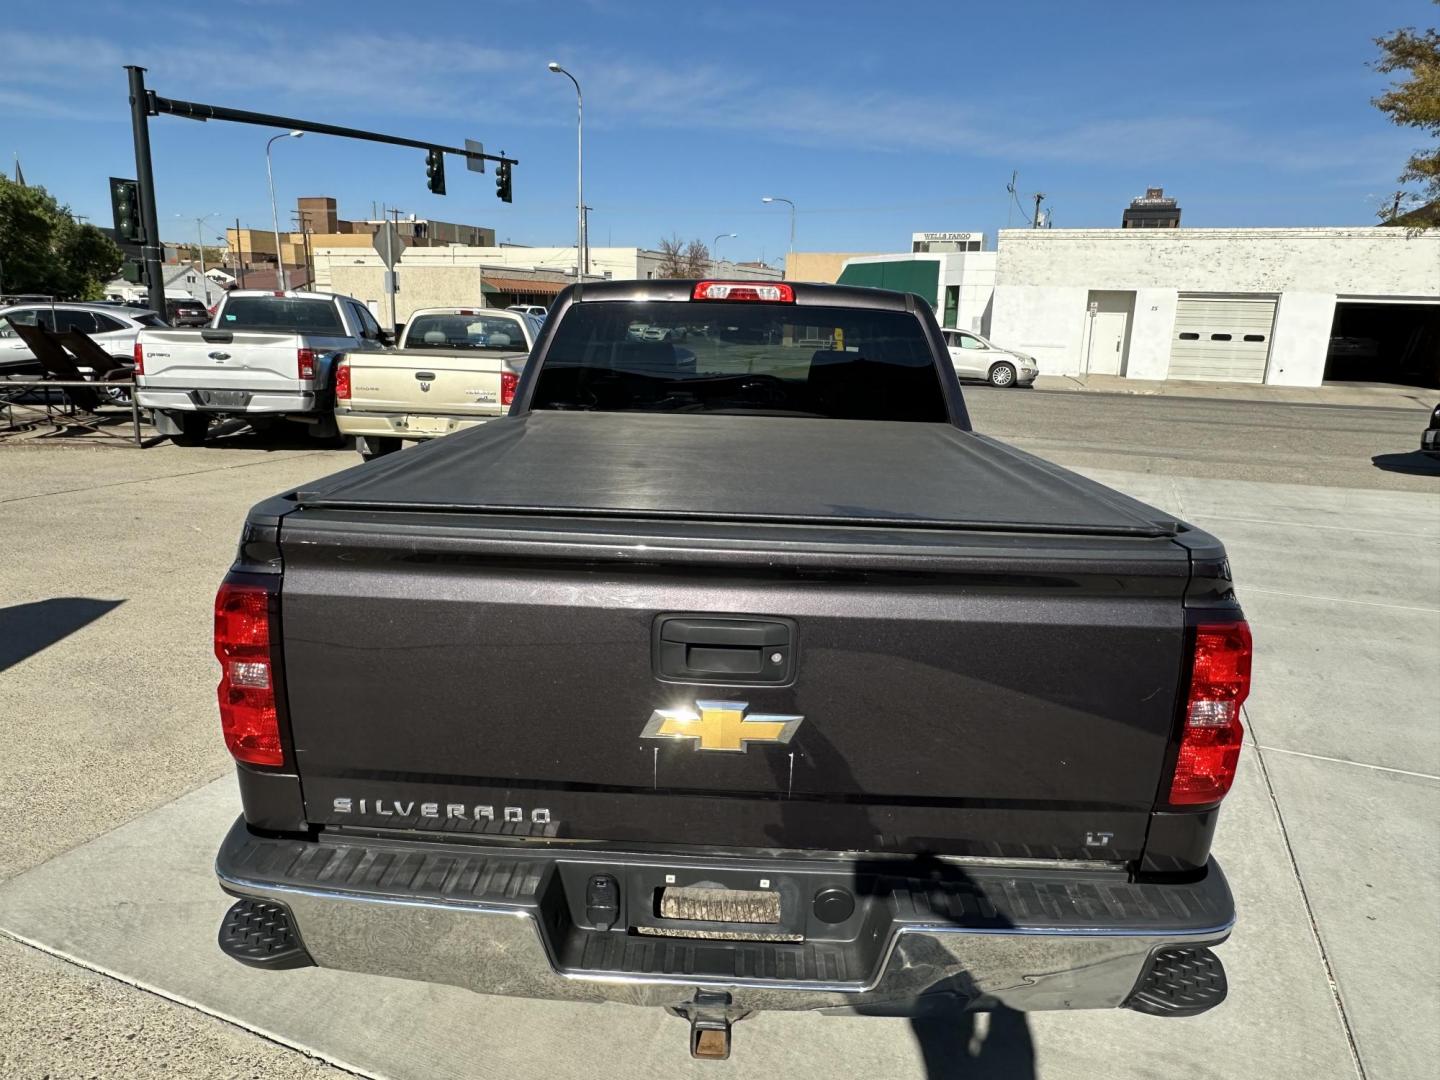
388	807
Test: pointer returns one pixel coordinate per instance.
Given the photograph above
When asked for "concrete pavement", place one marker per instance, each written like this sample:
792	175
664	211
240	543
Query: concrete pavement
122	792
1385	395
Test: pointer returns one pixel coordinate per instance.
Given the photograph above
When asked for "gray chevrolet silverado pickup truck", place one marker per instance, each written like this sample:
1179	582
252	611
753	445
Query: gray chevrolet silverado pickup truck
733	671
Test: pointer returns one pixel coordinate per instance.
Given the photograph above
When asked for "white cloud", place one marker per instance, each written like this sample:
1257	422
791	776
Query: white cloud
425	77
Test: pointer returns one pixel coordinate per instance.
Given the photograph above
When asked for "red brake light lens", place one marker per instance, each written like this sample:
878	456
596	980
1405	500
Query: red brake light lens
247	685
342	381
744	291
305	362
508	381
139	359
1212	735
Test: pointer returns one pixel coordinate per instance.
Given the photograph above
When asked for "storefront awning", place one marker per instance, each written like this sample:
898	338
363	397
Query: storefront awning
493	283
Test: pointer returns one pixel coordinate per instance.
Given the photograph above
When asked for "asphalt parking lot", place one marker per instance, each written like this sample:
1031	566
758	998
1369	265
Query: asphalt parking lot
117	789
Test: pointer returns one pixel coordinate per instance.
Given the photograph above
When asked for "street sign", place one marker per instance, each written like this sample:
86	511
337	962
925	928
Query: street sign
388	244
474	164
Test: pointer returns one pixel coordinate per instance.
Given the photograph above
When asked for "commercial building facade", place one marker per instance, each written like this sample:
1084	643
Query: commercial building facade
958	285
1288	307
488	276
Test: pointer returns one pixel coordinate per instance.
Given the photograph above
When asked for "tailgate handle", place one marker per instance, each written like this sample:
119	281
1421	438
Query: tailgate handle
425	376
756	652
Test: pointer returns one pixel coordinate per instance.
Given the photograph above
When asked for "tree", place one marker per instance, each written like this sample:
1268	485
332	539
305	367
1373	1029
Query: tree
679	259
43	249
697	259
1414	101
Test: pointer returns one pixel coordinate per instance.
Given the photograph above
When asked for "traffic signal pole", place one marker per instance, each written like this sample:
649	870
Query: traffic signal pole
150	249
146	103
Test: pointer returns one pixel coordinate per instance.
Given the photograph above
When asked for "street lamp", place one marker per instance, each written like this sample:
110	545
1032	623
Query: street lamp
716	243
274	213
778	198
582	253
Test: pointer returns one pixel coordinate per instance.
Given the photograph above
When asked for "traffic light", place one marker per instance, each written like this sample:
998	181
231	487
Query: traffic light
435	171
502	181
125	204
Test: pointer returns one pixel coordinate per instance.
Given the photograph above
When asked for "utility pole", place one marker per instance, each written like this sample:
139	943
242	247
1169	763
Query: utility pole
302	226
239	257
1035	221
390	230
145	179
585	234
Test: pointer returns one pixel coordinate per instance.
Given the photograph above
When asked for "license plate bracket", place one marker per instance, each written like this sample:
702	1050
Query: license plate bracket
225	399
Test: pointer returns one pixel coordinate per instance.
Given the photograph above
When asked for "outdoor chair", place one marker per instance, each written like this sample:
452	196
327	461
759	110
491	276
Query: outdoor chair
57	366
116	376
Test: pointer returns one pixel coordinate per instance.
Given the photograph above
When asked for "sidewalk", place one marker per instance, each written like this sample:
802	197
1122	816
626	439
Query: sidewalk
1375	395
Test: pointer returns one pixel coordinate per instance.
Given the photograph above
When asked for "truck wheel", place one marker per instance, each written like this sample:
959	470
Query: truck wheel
192	425
373	446
1002	374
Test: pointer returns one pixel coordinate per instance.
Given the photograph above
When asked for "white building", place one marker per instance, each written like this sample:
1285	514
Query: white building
181	282
1289	307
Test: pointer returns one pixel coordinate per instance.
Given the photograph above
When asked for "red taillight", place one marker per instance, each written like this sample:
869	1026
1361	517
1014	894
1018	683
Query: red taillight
508	381
247	684
743	291
342	381
1211	738
305	361
139	359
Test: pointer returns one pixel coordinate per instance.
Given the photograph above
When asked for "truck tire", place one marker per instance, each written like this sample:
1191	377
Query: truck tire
374	446
1002	374
192	425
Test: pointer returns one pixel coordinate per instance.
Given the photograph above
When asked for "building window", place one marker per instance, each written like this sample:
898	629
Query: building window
1254	337
952	304
1219	337
1189	337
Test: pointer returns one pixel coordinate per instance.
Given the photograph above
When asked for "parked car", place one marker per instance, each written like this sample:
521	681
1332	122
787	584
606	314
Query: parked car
1430	437
455	368
268	355
537	310
186	313
976	357
732	689
111	327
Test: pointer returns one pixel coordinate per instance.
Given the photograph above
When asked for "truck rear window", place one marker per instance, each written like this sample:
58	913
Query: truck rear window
282	314
767	359
499	332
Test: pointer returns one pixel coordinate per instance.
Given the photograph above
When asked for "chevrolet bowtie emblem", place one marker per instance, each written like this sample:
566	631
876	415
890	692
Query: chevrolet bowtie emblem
720	725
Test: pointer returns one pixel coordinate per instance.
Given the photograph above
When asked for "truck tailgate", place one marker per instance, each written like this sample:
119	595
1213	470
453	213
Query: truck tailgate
447	382
982	693
240	360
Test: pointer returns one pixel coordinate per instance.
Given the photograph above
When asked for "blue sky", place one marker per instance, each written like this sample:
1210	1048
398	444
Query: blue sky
878	120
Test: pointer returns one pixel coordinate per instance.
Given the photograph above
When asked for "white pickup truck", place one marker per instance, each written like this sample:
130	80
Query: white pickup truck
455	368
267	355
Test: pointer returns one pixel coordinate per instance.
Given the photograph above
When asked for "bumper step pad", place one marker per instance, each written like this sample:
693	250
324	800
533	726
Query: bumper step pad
1180	982
259	933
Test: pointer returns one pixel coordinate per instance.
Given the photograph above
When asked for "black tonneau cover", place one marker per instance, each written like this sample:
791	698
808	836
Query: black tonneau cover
742	468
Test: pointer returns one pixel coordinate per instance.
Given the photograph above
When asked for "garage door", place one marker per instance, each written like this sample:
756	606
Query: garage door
1225	339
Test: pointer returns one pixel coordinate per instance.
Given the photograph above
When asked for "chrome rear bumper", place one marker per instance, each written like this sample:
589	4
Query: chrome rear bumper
498	921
